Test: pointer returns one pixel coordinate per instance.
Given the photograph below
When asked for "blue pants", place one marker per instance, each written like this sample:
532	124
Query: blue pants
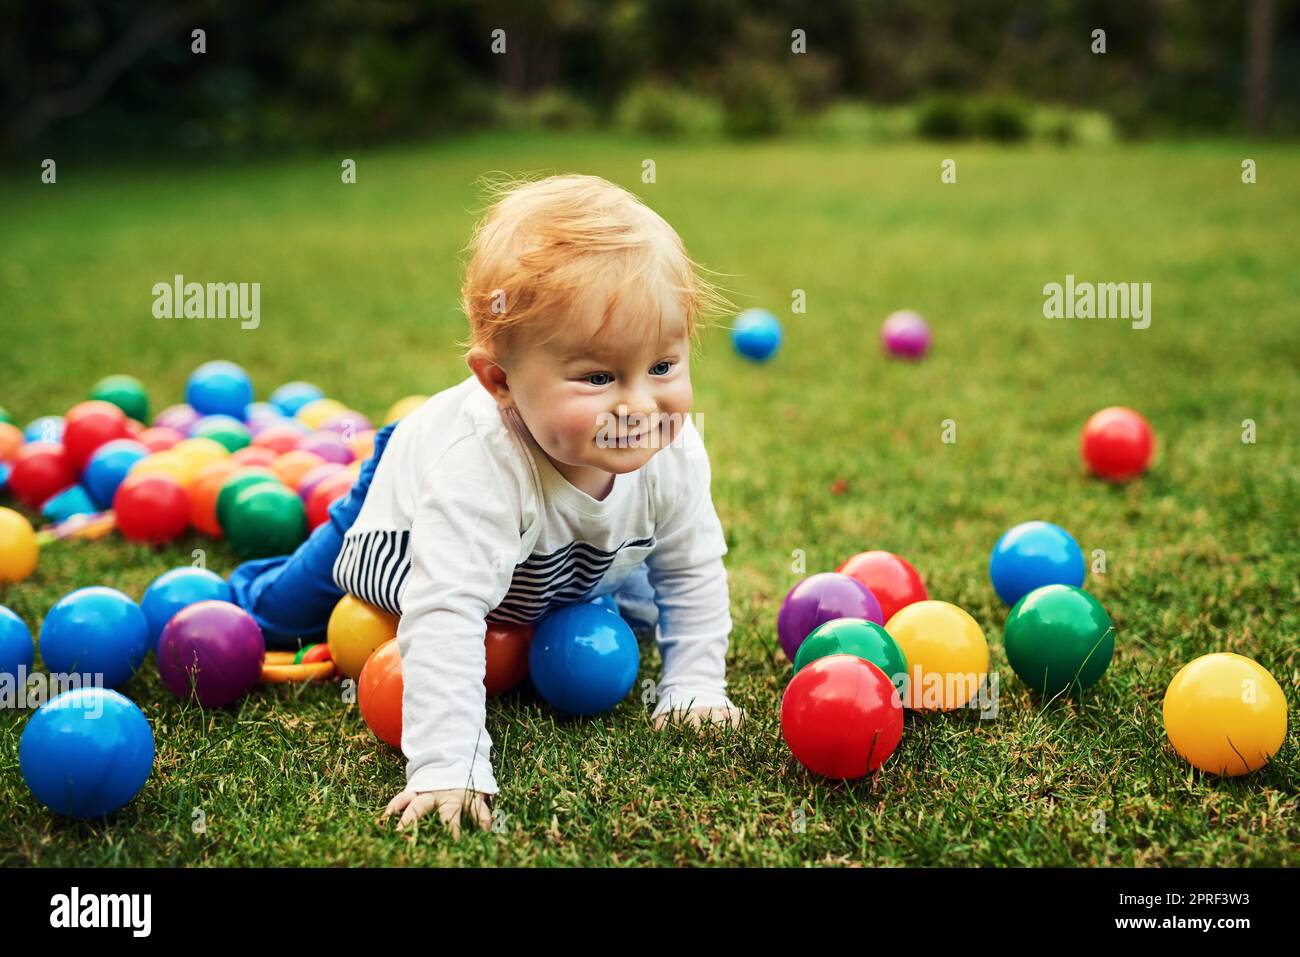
291	596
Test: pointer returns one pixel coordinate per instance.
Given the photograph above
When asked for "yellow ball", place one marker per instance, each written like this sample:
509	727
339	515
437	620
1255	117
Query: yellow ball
17	546
314	415
355	630
198	452
947	655
404	407
1225	714
166	462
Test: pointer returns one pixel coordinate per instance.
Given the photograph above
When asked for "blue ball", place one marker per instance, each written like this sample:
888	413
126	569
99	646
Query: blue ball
756	334
108	466
48	428
179	588
583	659
95	631
16	646
86	752
1031	555
219	388
73	500
292	396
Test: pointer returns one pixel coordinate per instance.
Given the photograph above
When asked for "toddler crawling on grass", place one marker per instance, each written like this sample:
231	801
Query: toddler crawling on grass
565	468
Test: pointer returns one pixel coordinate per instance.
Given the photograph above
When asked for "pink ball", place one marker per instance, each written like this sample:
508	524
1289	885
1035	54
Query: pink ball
178	417
313	478
905	334
328	445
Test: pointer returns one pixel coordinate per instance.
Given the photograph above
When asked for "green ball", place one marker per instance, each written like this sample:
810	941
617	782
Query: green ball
232	437
6	416
1059	639
854	636
266	520
230	491
126	392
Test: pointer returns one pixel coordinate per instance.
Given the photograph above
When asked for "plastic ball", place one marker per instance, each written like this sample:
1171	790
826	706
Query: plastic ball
203	493
87	426
109	466
854	636
199	450
328	445
254	455
404	407
213	650
1117	444
6	416
158	438
292	467
292	396
11	440
152	509
947	655
583	659
179	588
86	752
821	598
507	656
48	428
179	417
905	335
314	653
1059	639
362	445
756	334
281	437
124	391
326	493
356	628
95	631
347	424
258	415
379	693
242	478
1225	714
266	519
313	477
315	414
841	717
73	500
18	548
219	388
893	581
228	432
40	469
167	463
17	649
1031	555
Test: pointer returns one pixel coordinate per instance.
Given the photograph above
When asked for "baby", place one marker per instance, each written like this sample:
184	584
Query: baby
565	468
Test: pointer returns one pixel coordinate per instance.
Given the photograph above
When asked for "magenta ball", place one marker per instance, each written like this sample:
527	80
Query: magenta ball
178	417
819	599
905	334
313	478
345	421
213	647
328	445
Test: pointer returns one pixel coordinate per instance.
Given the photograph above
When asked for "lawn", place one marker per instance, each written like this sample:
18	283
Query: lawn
828	450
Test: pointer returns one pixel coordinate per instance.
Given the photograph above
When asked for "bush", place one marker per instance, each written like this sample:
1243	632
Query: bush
1003	119
758	99
668	112
863	123
942	118
548	110
1071	127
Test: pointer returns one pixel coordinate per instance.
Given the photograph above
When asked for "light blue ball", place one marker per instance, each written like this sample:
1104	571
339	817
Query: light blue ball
292	396
48	428
17	649
108	467
756	334
95	631
179	588
219	388
86	752
583	659
1031	555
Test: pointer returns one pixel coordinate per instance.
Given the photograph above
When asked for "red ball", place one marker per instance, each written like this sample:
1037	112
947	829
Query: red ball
151	508
841	717
40	469
1117	444
326	494
87	426
891	579
507	656
278	438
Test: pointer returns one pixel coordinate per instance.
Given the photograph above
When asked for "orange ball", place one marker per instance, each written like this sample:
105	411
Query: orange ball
379	694
362	445
159	438
203	495
255	455
507	656
11	440
18	549
292	466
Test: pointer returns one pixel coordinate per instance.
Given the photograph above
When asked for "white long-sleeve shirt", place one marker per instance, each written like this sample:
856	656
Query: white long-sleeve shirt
466	520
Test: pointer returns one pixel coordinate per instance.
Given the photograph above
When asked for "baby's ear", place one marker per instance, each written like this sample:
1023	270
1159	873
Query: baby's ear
491	375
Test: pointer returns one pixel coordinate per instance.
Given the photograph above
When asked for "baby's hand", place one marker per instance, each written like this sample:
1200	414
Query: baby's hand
724	715
450	803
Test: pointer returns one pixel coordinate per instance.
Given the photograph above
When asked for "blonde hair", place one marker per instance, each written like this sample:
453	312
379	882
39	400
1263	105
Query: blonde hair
544	244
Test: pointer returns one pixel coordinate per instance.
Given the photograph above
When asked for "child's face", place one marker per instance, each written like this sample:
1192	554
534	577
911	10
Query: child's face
605	402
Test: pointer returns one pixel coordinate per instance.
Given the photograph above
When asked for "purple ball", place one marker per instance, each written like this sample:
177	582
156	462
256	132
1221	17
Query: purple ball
214	648
328	445
179	417
819	599
344	421
906	335
313	478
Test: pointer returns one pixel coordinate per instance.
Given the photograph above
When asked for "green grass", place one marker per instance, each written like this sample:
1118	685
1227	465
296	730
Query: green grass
360	295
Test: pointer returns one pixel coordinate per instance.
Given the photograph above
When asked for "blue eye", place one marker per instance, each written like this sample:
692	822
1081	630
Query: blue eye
600	375
665	365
